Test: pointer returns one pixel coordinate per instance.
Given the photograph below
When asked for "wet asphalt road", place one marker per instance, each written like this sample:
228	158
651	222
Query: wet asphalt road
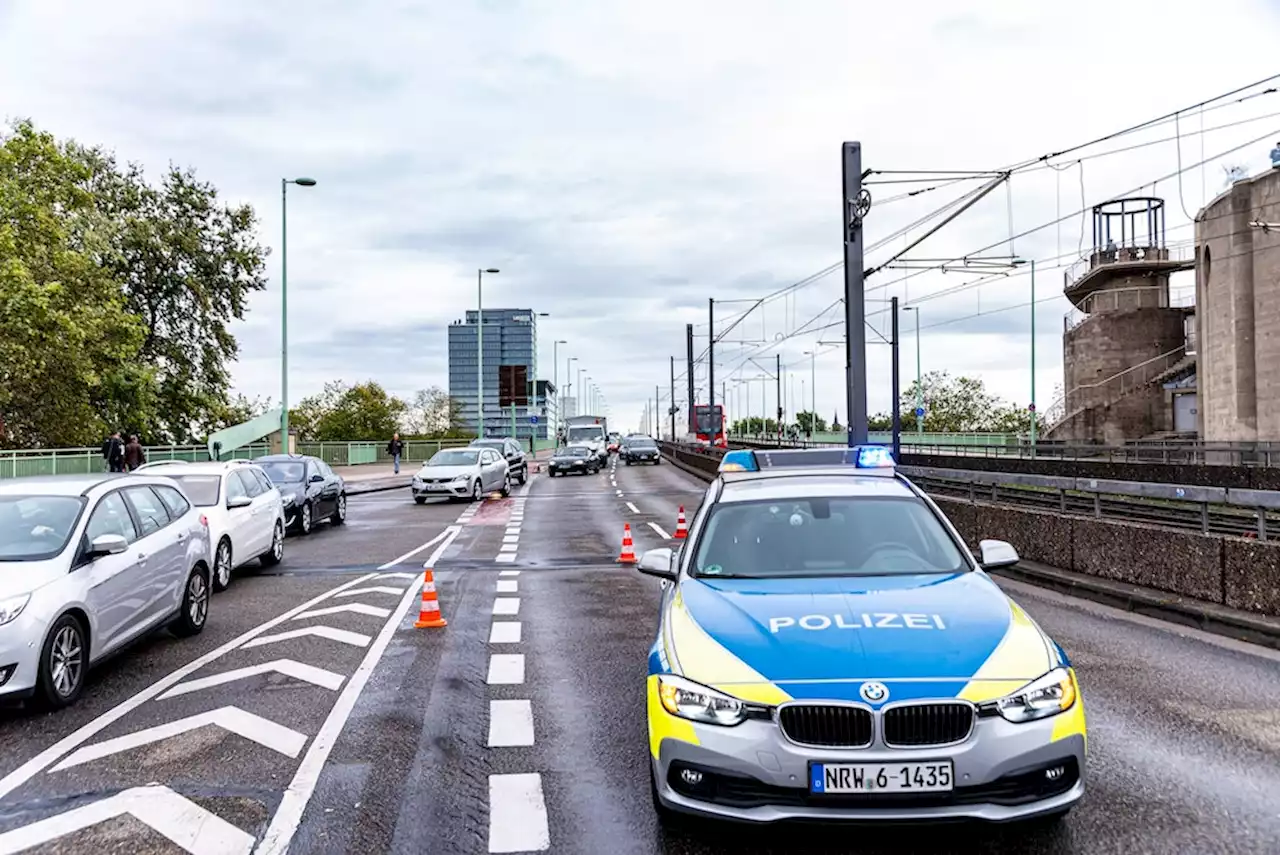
1184	727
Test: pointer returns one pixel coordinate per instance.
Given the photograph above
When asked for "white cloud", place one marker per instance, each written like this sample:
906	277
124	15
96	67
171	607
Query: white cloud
621	162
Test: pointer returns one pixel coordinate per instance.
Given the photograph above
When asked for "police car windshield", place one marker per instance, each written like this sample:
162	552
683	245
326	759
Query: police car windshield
838	536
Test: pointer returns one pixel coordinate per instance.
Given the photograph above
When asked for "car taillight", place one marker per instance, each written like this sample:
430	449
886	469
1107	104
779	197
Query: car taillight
204	521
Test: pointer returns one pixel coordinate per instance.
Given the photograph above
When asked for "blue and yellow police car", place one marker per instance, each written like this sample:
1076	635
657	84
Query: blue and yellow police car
829	649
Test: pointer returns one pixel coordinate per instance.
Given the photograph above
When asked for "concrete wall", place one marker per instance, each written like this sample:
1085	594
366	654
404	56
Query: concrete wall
1238	313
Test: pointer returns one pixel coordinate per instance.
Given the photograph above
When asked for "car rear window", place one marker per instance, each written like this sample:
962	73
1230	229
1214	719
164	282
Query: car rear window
33	528
841	536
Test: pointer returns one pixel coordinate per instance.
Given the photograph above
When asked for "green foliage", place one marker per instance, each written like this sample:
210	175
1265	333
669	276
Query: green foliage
340	412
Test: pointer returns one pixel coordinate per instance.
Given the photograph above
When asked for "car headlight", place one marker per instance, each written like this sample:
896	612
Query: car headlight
687	699
12	607
1049	695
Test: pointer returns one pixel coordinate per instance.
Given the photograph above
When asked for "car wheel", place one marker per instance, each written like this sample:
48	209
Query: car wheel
222	565
506	486
195	605
339	512
476	495
304	519
63	660
421	500
275	554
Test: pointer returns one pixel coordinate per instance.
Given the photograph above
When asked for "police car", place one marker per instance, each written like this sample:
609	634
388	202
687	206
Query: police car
829	649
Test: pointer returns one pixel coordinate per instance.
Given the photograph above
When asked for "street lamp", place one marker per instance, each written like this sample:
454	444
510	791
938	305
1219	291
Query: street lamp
919	386
480	349
555	381
284	304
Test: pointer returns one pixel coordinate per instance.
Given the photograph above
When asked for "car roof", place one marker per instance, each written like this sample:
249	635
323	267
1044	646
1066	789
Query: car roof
803	486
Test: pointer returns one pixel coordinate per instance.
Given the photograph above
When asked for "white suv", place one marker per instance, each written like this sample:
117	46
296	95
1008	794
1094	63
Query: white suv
245	512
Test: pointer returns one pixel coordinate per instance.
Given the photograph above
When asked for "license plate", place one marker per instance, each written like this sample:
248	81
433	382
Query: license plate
881	777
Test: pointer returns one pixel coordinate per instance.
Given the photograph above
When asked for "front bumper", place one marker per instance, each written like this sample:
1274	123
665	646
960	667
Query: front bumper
752	773
448	490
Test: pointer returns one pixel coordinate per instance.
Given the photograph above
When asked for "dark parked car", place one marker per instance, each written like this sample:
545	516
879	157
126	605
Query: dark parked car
312	492
640	449
511	450
573	458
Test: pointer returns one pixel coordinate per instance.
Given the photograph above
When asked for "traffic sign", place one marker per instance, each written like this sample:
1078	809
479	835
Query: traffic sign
533	420
919	411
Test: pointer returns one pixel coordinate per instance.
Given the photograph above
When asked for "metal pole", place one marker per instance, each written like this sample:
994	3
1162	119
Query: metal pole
284	316
673	399
479	353
688	336
711	352
855	206
897	405
1033	357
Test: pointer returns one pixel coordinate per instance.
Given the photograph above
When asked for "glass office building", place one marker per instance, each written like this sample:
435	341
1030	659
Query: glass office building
510	337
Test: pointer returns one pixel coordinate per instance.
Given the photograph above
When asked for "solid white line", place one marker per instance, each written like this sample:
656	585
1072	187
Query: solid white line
506	606
186	824
36	764
508	547
633	507
510	723
662	534
356	639
294	802
353	608
509	573
517	814
412	552
508	586
506	558
288	667
380	589
506	669
504	632
263	731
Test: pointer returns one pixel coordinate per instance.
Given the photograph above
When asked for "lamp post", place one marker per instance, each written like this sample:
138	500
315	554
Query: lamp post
284	304
555	381
480	349
919	386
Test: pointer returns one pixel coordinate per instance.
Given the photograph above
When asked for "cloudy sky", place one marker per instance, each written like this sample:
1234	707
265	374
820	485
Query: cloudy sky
622	162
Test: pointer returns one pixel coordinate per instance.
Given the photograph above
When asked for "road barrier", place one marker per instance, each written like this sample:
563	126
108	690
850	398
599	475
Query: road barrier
1241	571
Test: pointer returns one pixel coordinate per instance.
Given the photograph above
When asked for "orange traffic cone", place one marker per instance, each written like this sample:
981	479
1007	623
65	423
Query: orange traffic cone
628	554
682	529
430	616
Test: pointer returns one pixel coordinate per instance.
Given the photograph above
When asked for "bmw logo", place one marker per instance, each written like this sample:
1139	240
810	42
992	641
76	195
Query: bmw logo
874	693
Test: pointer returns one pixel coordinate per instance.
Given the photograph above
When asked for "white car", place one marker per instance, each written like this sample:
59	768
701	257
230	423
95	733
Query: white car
89	563
462	473
245	512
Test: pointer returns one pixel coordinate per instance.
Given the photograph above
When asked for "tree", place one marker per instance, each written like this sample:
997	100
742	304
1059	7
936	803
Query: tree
68	345
340	412
187	264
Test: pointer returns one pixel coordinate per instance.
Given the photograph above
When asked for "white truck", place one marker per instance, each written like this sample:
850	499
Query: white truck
591	431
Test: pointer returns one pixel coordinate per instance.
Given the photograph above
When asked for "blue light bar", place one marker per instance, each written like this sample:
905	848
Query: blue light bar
741	460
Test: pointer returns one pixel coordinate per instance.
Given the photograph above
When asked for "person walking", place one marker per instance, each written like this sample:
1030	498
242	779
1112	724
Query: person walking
134	455
395	448
113	452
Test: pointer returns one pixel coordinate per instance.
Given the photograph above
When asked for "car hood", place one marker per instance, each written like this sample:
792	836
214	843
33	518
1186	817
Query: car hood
771	640
446	471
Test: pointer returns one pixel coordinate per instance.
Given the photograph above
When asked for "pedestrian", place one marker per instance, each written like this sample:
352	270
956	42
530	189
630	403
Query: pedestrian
395	448
134	455
113	452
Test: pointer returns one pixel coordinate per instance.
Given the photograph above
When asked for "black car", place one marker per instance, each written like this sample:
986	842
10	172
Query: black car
511	450
640	449
573	458
312	492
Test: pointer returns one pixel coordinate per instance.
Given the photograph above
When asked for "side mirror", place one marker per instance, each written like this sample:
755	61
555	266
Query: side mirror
107	544
239	502
996	554
658	562
317	478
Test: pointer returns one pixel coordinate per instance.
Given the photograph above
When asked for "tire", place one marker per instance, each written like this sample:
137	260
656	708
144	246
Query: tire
64	659
476	494
275	554
506	486
305	522
421	500
195	605
222	566
339	515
